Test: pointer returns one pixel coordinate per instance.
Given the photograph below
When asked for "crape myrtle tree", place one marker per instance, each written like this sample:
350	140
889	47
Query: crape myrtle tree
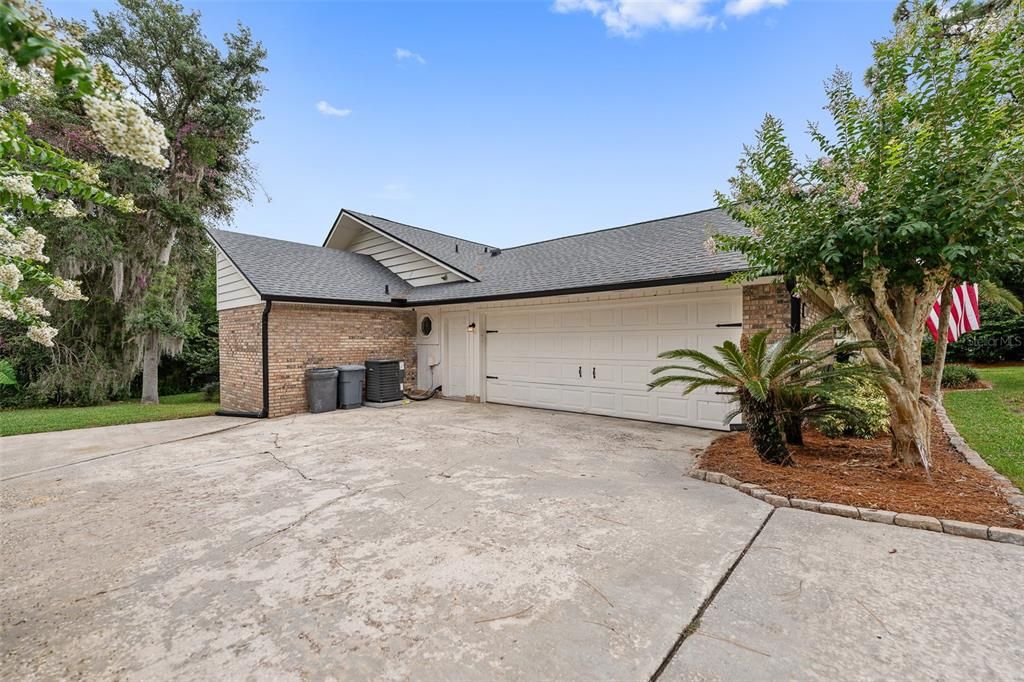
41	182
920	187
205	98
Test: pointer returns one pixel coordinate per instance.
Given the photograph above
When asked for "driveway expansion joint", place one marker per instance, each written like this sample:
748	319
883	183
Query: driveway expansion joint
1013	536
694	625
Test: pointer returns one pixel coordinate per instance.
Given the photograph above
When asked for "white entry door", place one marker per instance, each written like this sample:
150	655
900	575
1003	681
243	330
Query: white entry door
597	357
456	354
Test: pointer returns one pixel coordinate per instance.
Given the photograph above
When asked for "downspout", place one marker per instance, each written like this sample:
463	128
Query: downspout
266	361
265	411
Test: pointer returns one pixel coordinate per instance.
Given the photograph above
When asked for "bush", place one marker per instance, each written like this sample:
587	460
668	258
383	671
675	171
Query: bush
1000	339
869	409
956	376
211	391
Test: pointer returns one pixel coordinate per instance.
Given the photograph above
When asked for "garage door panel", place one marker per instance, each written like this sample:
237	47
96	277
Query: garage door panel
538	357
604	345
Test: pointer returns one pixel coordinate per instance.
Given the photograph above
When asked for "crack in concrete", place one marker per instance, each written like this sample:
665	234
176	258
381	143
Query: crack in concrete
300	472
299	521
694	624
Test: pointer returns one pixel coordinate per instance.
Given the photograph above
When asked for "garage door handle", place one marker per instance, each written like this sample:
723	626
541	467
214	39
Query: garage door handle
593	372
580	370
729	324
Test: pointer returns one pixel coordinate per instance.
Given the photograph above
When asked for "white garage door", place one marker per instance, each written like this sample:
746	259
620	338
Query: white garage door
597	358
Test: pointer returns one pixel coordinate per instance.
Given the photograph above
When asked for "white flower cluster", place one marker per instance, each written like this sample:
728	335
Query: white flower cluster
87	173
42	334
30	305
126	130
10	276
7	310
710	245
27	245
18	184
64	208
126	204
67	290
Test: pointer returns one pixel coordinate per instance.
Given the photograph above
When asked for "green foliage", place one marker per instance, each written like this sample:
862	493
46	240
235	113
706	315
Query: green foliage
956	376
211	391
864	410
756	376
7	374
990	421
38	420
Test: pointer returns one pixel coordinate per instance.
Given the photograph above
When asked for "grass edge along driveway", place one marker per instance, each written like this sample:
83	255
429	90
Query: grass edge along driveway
992	422
39	420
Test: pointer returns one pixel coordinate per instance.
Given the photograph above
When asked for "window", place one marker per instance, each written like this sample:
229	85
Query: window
426	325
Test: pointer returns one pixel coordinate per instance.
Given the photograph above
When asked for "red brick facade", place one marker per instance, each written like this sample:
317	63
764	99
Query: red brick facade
303	336
767	306
241	359
299	337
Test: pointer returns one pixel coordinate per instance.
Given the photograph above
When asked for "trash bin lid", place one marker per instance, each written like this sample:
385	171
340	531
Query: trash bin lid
321	371
350	368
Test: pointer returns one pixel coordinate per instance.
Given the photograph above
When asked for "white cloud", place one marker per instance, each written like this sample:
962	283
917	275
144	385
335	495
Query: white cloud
327	110
402	54
742	8
395	191
633	17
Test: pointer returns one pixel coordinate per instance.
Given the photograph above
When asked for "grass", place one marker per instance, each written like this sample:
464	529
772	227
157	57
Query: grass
993	421
13	422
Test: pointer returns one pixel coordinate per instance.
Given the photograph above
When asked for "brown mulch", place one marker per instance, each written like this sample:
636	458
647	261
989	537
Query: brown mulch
860	472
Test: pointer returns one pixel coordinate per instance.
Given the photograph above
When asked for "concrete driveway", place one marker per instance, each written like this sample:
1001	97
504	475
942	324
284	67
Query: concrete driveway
453	541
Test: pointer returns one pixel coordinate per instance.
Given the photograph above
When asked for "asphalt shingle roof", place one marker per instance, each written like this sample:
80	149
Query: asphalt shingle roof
649	252
280	268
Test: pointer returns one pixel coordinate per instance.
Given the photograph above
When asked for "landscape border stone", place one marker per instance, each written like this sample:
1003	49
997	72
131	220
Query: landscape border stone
965	529
1010	491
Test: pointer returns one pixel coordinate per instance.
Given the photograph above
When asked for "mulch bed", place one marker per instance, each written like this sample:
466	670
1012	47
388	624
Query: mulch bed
860	472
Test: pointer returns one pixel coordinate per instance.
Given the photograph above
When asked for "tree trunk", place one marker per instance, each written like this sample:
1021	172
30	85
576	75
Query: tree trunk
941	344
764	432
151	349
910	425
150	369
794	434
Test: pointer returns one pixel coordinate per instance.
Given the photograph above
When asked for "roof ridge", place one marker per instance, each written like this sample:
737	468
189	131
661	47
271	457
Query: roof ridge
260	236
609	229
417	227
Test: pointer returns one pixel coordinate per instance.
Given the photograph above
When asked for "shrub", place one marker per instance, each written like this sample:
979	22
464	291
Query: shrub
866	410
956	376
211	391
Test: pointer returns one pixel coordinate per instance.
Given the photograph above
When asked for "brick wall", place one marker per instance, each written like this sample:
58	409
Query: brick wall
767	306
303	336
241	359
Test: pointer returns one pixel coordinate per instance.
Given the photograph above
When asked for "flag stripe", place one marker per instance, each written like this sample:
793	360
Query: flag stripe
964	314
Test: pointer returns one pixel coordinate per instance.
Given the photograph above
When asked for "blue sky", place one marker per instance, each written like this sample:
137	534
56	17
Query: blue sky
511	122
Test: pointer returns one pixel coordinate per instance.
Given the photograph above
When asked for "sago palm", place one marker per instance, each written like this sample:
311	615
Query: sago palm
756	377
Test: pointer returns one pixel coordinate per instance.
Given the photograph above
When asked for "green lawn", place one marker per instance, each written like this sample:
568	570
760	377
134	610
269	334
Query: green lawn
993	421
13	422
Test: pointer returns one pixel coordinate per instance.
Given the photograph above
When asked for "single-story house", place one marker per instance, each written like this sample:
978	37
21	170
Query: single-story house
573	323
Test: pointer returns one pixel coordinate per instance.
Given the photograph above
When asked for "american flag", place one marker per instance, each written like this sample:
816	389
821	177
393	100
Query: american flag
963	313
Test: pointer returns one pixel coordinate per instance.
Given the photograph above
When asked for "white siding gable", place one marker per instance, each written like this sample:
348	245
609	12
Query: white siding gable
415	269
233	289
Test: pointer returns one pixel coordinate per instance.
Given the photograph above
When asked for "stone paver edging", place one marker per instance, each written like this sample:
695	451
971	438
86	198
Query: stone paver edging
962	528
1010	491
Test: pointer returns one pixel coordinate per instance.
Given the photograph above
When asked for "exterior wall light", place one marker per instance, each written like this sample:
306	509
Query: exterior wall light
471	327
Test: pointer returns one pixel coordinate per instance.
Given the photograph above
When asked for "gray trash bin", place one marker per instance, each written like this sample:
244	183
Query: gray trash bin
350	386
322	389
